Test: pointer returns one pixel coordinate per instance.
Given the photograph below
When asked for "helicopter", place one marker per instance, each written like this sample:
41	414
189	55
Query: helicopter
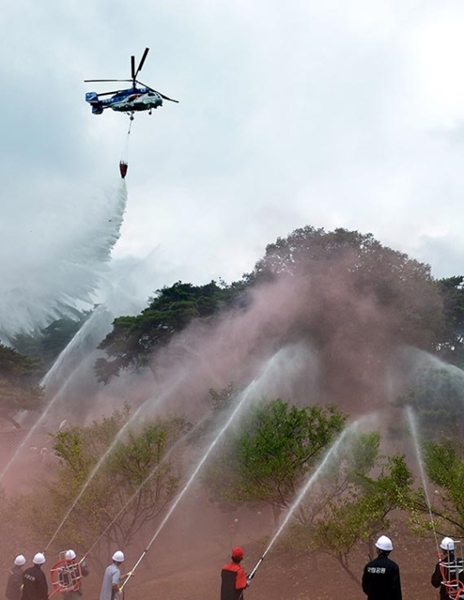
139	97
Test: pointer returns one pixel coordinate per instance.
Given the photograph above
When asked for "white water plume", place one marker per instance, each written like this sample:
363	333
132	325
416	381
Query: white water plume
53	260
88	337
67	377
415	438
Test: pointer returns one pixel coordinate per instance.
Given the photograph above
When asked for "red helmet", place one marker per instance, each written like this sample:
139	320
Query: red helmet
237	552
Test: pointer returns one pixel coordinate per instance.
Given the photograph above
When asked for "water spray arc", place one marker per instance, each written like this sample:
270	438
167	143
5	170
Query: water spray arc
102	460
92	475
83	260
311	480
76	340
144	482
245	395
415	437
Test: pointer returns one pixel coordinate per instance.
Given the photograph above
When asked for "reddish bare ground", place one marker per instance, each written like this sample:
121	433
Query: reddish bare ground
185	560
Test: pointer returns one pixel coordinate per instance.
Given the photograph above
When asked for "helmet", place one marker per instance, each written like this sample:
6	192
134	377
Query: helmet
384	543
70	555
118	556
447	543
39	559
19	561
237	552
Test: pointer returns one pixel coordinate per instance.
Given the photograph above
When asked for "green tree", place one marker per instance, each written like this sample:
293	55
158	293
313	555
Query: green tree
131	486
47	343
268	455
451	345
444	465
358	503
360	300
134	340
19	386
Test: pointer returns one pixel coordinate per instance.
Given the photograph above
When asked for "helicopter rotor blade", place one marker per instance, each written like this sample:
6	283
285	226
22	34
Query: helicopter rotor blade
133	67
142	60
108	93
97	80
162	95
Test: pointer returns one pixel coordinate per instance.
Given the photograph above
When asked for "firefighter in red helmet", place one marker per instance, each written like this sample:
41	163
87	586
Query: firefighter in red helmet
233	577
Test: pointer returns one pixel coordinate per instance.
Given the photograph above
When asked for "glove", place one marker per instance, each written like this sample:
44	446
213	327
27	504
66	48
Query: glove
248	582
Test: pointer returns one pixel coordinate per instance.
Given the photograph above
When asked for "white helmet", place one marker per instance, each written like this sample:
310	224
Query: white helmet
447	543
118	556
384	543
70	554
38	559
19	561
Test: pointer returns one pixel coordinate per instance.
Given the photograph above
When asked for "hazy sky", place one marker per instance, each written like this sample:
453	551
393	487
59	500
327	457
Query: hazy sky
321	112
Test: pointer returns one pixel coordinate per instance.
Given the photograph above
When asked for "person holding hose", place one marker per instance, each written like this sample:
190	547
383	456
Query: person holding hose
110	585
448	574
233	577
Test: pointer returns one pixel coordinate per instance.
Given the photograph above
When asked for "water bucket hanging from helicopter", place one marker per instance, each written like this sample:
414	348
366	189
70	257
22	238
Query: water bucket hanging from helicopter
123	168
124	162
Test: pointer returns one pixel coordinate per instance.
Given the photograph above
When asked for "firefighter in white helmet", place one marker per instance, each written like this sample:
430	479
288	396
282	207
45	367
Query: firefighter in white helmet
15	579
72	572
111	578
448	569
35	586
381	577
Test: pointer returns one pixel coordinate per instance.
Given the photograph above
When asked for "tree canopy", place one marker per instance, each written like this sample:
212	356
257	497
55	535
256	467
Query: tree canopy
444	465
19	387
359	501
133	340
268	455
450	346
114	486
358	302
47	343
344	265
437	398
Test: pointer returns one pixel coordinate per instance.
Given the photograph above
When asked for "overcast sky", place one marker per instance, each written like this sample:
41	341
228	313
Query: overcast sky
330	113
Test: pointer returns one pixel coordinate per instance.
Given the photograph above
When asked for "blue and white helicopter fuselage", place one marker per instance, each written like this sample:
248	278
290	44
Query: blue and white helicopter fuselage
126	101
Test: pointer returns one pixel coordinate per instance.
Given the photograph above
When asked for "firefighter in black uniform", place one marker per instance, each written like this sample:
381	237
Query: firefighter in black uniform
34	581
15	579
381	577
233	577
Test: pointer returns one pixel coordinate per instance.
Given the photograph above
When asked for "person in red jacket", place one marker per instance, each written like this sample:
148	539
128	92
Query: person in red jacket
233	577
